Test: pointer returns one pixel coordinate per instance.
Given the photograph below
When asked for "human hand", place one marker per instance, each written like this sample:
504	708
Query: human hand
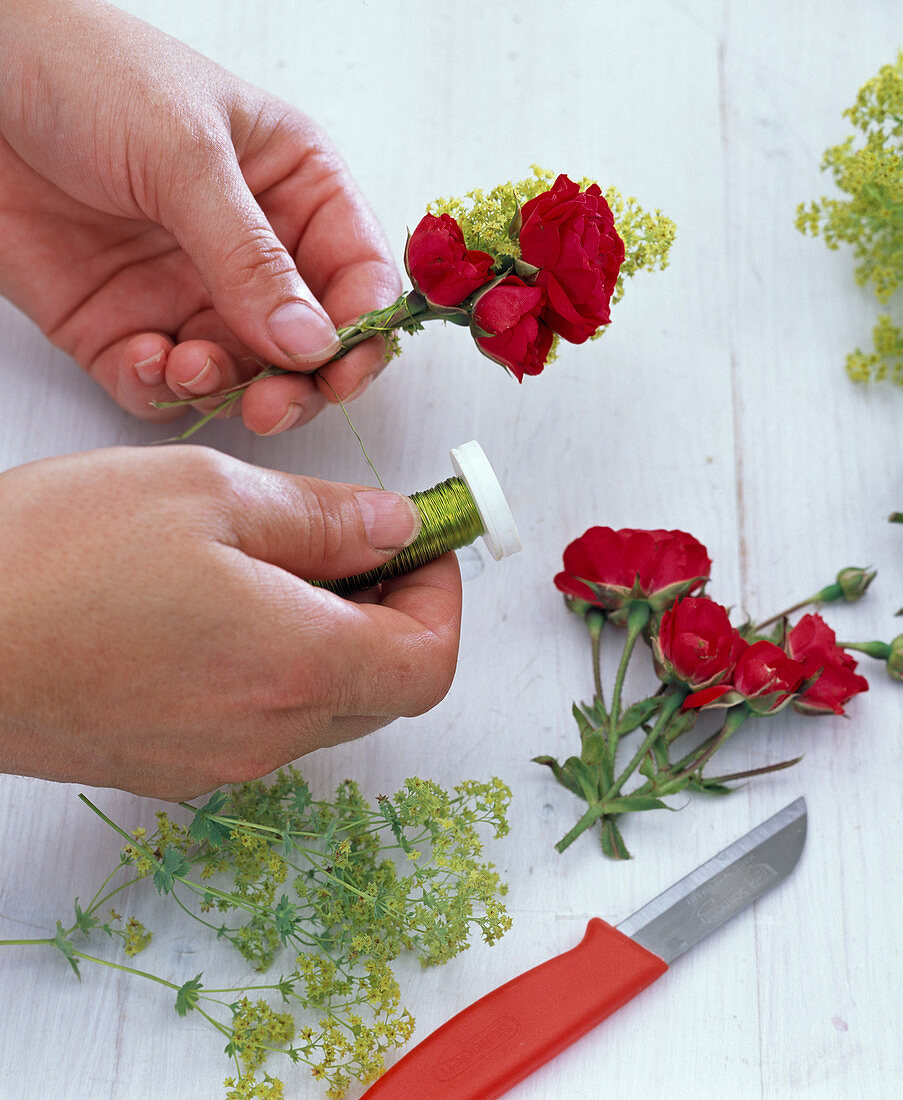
174	228
155	634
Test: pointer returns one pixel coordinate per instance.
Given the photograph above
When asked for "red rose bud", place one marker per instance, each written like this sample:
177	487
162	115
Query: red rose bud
834	687
507	328
570	236
766	677
611	568
696	644
439	263
813	642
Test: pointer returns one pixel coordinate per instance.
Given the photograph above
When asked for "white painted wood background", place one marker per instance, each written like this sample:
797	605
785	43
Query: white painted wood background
717	403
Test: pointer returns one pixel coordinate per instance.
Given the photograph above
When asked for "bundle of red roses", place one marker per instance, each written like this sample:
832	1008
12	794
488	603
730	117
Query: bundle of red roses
652	583
526	264
559	279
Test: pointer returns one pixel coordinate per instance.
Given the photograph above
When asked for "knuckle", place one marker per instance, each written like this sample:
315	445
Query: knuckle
325	525
256	256
207	472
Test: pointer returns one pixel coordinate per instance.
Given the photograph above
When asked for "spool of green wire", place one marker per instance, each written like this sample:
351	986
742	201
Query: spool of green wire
454	513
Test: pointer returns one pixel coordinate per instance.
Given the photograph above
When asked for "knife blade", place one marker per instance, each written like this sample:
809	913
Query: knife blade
502	1038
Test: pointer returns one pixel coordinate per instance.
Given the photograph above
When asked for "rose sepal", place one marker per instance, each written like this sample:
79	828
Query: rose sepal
579	607
517	221
476	330
773	702
458	315
406	261
813	710
525	271
616	598
718	696
668	674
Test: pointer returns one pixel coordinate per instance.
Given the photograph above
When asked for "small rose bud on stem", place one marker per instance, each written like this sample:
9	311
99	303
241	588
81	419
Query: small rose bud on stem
850	585
889	652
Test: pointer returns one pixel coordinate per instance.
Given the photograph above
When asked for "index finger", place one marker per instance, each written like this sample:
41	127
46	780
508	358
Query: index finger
344	252
340	251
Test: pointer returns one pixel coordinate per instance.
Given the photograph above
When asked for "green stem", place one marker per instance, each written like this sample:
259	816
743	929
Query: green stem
595	620
409	308
819	597
96	903
130	840
127	969
27	943
764	770
670	705
879	651
700	756
637	618
589	818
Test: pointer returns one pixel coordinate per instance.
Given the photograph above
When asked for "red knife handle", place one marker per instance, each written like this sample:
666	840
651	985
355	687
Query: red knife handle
503	1037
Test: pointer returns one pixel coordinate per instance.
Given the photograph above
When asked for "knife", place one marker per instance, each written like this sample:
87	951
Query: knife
506	1035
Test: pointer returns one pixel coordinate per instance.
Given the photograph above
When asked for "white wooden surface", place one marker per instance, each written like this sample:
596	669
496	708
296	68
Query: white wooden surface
716	403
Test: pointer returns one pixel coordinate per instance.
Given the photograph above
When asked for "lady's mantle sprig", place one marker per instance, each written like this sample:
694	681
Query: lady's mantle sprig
652	584
868	169
337	889
522	266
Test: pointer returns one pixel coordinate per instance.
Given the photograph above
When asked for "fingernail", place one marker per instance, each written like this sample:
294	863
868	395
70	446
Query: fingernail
289	419
361	386
206	379
302	333
150	370
390	519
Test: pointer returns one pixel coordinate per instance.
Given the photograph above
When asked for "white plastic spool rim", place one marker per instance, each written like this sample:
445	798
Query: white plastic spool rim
499	529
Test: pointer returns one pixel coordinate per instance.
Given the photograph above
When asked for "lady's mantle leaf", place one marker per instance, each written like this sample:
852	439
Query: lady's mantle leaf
187	995
171	866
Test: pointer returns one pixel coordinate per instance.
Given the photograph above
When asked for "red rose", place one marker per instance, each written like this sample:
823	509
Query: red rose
439	263
814	643
696	644
765	678
610	568
570	236
509	312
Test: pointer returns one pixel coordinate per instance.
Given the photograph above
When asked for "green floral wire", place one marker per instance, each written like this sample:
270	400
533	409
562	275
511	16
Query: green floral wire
450	520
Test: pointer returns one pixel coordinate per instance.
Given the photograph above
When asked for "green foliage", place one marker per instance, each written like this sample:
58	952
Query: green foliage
340	888
187	995
172	865
63	943
867	167
205	826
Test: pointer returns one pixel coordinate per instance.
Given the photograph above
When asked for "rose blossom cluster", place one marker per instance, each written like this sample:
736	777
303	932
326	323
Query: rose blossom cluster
693	642
559	284
696	646
652	583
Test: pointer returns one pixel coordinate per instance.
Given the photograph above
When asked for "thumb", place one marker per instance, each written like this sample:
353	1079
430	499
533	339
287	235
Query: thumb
321	530
252	280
